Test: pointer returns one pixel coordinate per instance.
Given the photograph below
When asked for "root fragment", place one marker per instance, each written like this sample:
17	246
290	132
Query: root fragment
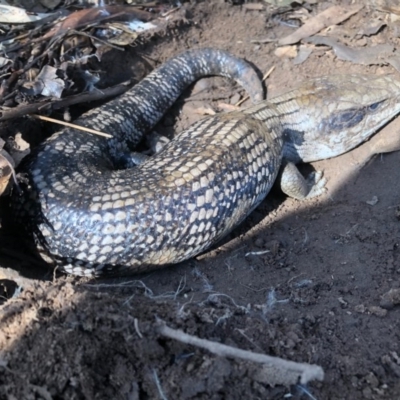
274	370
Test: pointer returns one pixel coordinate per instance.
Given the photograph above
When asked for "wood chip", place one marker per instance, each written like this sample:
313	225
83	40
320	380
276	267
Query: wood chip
253	7
332	16
286	51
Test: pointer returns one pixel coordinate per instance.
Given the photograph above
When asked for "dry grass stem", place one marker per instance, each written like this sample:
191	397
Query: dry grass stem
68	124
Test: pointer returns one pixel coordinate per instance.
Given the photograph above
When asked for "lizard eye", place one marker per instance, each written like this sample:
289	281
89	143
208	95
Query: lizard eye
375	106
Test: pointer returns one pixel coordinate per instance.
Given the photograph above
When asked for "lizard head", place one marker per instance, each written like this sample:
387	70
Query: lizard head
331	115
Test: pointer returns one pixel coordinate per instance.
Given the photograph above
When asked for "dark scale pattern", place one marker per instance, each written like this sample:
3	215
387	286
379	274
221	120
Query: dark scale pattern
91	218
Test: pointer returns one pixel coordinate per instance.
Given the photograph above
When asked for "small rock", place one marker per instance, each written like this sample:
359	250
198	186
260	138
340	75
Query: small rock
378	311
373	201
360	308
367	393
273	246
372	380
390	299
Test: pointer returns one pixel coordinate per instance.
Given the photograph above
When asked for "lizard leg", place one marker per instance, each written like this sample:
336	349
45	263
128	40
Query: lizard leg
295	185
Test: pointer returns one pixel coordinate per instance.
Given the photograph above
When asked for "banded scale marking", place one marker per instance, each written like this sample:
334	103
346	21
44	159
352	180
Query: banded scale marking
92	218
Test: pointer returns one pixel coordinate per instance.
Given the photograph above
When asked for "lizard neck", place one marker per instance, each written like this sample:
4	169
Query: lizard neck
295	123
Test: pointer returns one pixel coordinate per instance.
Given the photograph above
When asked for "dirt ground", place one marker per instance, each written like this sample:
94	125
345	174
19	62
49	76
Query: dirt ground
305	281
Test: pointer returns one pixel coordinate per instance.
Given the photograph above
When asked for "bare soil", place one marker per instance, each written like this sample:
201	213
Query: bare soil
305	281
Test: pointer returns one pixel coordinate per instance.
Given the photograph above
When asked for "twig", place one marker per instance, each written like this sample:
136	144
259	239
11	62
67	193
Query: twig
266	75
306	391
263	41
81	128
288	369
67	101
158	383
75	32
43	54
135	284
257	253
211	298
136	325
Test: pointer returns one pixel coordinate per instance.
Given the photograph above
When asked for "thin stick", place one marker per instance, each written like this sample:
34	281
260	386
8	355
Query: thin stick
33	108
81	128
306	372
74	32
263	79
159	387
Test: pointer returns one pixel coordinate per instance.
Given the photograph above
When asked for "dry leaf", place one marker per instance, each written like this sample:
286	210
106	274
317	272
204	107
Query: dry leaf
372	28
50	4
303	54
332	16
93	16
4	61
15	15
124	34
358	55
47	83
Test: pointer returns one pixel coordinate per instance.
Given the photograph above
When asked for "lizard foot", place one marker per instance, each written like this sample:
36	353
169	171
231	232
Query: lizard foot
296	186
316	182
